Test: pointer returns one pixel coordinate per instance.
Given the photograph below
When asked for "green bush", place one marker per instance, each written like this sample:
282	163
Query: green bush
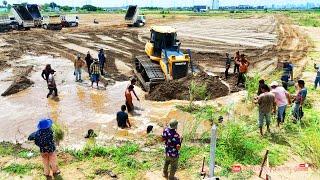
20	169
58	132
236	145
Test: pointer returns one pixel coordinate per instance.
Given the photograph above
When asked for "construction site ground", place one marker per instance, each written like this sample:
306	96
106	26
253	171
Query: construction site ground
266	40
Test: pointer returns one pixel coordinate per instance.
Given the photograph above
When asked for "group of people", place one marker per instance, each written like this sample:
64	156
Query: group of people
277	99
241	65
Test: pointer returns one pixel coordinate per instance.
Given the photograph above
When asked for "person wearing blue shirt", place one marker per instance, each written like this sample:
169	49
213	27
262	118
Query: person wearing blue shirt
102	60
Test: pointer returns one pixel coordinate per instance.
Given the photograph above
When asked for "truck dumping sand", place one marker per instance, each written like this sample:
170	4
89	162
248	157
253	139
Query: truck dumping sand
179	89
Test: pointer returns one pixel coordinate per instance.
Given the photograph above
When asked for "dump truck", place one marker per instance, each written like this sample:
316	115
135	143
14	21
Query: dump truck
164	61
52	22
5	23
35	13
133	18
69	20
22	16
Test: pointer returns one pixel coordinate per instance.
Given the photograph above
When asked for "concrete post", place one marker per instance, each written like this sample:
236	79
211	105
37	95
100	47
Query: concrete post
212	150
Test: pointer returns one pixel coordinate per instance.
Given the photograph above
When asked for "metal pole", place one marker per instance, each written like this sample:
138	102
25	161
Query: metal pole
212	150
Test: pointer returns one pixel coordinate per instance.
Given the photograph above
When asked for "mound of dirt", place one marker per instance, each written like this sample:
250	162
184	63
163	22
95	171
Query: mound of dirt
19	84
179	89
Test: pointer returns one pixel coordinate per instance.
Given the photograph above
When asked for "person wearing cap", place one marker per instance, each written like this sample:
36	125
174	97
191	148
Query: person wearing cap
95	73
317	80
123	118
172	146
46	72
78	65
243	69
102	60
52	85
266	102
45	141
89	61
299	100
282	98
228	64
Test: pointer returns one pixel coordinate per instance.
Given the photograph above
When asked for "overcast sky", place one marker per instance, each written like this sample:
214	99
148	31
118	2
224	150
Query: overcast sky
163	3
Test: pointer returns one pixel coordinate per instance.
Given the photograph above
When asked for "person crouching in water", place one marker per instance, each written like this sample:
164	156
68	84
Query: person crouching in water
44	140
95	73
123	118
52	85
128	96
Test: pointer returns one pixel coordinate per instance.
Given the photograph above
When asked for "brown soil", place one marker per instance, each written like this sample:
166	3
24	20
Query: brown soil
21	81
179	89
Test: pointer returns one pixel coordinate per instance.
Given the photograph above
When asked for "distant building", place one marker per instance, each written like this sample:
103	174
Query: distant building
202	8
215	4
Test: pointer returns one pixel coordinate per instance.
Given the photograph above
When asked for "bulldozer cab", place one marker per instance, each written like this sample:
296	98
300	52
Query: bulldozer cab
163	38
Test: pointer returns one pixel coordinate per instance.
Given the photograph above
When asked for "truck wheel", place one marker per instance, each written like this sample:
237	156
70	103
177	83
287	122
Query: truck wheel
27	28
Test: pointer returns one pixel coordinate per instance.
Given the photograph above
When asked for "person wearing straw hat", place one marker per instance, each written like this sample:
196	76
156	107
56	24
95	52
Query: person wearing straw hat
45	141
282	98
173	143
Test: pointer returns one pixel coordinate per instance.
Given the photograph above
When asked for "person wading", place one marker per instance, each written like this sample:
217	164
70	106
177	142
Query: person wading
95	73
282	98
78	65
102	61
44	140
89	61
236	62
266	102
46	72
123	118
52	85
228	64
128	96
173	143
299	101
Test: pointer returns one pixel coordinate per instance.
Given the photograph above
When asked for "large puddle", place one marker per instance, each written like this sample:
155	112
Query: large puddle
79	107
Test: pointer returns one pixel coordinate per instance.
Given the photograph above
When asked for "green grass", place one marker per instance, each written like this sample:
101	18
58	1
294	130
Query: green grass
19	169
122	156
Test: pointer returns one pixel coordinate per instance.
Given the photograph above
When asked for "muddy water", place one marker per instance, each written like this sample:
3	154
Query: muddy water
80	107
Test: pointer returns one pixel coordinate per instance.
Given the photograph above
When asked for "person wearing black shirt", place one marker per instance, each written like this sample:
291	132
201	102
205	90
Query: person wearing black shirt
122	118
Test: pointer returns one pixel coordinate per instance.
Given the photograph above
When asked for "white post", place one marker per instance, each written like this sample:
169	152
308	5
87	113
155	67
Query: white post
212	150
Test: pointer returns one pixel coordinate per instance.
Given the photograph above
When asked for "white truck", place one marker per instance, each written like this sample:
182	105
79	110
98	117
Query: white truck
35	13
51	22
69	20
22	16
5	23
133	18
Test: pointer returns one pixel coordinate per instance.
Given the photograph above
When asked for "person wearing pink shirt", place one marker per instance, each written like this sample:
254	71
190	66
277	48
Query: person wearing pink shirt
282	98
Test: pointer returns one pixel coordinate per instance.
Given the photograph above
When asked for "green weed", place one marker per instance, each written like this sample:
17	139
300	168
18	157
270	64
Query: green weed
20	169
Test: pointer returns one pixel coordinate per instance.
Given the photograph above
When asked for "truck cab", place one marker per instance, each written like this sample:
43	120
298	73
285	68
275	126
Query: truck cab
69	20
52	22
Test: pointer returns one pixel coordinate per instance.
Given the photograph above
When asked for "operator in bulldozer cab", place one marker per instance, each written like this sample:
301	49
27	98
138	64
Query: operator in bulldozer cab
164	47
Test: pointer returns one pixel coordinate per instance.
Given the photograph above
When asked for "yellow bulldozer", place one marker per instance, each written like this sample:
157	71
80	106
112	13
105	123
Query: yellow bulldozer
164	60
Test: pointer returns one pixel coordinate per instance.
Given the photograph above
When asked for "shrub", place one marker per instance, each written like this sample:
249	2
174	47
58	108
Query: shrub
19	169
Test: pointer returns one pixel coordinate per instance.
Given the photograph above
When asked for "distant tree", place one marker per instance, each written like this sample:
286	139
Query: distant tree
5	3
53	5
89	8
66	8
